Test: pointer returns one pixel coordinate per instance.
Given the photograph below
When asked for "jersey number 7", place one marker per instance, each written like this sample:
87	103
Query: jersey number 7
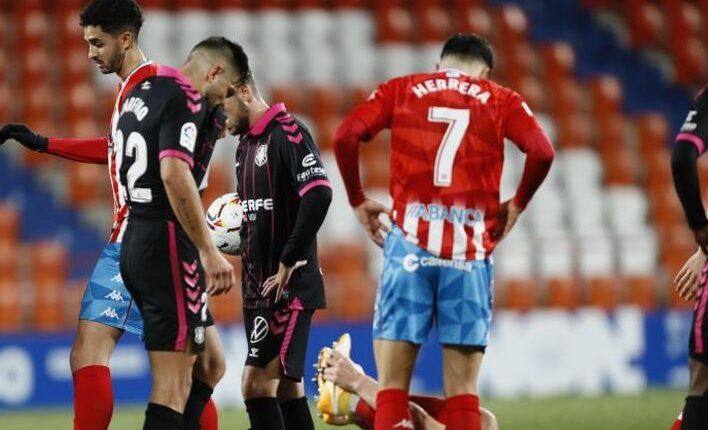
457	121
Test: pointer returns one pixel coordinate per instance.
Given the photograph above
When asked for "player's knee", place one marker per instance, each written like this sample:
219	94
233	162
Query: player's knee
172	392
290	390
83	354
489	420
699	378
211	369
254	384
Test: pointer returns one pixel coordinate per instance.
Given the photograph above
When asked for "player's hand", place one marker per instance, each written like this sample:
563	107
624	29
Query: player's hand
508	215
422	419
342	371
278	282
220	275
687	280
24	135
368	214
701	236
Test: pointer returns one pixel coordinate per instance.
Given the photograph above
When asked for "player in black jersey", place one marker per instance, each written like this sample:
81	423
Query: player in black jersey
690	144
285	195
165	135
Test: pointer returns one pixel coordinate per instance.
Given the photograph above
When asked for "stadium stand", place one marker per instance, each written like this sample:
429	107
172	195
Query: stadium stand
606	229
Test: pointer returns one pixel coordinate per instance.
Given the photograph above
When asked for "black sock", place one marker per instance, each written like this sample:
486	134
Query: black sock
159	417
198	397
695	413
264	414
296	414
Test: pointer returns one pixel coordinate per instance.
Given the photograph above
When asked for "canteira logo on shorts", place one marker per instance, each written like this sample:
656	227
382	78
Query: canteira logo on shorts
260	329
412	262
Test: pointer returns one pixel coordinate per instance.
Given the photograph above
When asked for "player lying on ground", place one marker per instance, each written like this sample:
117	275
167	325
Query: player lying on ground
348	396
285	195
111	29
164	138
690	144
448	129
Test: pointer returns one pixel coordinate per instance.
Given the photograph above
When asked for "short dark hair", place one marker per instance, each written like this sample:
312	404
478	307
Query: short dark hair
232	51
113	16
469	45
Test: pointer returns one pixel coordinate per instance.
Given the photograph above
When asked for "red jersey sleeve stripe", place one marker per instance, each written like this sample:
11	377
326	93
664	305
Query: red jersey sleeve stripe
695	140
313	184
177	154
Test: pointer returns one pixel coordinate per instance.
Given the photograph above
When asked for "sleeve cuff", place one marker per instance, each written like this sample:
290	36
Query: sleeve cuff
177	154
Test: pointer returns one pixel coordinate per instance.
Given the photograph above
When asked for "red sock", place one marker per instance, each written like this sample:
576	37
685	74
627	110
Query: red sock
463	412
210	416
434	406
677	423
364	414
392	411
93	398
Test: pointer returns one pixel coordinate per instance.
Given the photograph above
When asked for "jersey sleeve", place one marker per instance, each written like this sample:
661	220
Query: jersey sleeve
376	112
180	125
518	119
695	127
301	158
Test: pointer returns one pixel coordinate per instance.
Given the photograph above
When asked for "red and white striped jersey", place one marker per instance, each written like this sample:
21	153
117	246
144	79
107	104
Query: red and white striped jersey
447	151
120	208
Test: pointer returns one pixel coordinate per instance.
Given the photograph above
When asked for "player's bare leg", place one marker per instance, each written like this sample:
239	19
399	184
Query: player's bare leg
346	374
695	413
461	367
259	387
171	382
209	368
395	361
93	392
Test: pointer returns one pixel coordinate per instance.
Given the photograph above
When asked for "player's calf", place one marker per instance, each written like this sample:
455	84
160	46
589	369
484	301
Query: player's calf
259	387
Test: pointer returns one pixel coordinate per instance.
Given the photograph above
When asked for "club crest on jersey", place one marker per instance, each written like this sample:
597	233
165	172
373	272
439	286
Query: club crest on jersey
261	155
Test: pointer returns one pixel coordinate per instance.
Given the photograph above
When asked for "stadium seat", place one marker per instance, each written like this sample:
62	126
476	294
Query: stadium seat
646	23
358	293
603	292
517	294
471	17
48	305
562	293
642	292
11	309
49	263
9	262
9	223
83	179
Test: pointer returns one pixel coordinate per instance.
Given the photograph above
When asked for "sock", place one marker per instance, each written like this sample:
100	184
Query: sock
264	414
160	417
93	398
677	424
296	414
435	406
695	413
210	416
463	412
392	410
364	414
199	395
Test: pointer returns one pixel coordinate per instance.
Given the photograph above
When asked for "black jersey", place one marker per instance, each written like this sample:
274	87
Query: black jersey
695	127
163	116
277	162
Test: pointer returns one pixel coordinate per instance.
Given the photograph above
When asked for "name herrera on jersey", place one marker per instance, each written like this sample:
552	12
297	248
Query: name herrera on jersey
137	106
436	212
450	84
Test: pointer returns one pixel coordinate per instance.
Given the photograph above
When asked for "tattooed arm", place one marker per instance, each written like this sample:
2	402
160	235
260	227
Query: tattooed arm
187	206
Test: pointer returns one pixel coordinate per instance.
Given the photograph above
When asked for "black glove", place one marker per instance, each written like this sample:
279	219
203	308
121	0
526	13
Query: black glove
24	135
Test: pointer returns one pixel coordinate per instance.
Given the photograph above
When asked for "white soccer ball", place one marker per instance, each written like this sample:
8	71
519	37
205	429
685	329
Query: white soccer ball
224	220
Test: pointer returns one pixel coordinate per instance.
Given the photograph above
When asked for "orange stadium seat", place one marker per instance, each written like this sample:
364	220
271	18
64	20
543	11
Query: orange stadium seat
513	26
326	127
355	95
333	264
566	96
9	223
219	183
376	167
433	21
5	105
473	18
358	294
49	262
563	293
48	306
606	94
82	183
520	61
691	62
10	307
646	23
518	294
324	102
292	96
558	60
228	308
573	130
621	166
603	292
394	23
533	92
610	130
9	262
641	292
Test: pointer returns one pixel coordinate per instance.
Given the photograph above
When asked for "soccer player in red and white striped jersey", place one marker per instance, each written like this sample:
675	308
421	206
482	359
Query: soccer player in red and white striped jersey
447	149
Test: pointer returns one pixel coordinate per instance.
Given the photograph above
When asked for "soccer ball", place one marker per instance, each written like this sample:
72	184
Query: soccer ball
224	220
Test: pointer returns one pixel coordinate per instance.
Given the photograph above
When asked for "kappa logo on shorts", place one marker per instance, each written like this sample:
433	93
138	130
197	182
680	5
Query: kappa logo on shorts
199	335
115	295
261	155
260	329
117	279
110	313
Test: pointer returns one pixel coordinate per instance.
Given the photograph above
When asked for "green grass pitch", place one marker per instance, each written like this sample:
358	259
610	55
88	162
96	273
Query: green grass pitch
654	410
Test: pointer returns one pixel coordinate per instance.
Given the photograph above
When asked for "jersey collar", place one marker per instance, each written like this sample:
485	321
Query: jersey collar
453	70
260	125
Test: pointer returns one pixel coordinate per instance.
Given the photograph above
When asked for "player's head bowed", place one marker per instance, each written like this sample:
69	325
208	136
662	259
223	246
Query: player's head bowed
221	65
111	29
468	52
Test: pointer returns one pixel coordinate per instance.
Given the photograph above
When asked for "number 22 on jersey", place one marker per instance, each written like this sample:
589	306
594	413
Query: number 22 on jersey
135	147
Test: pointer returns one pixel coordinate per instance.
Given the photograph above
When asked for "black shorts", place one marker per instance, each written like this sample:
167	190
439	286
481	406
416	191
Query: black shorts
278	332
161	269
698	344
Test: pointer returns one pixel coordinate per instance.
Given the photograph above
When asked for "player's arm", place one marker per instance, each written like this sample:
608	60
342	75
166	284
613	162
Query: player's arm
93	150
178	138
308	176
521	127
690	144
363	123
